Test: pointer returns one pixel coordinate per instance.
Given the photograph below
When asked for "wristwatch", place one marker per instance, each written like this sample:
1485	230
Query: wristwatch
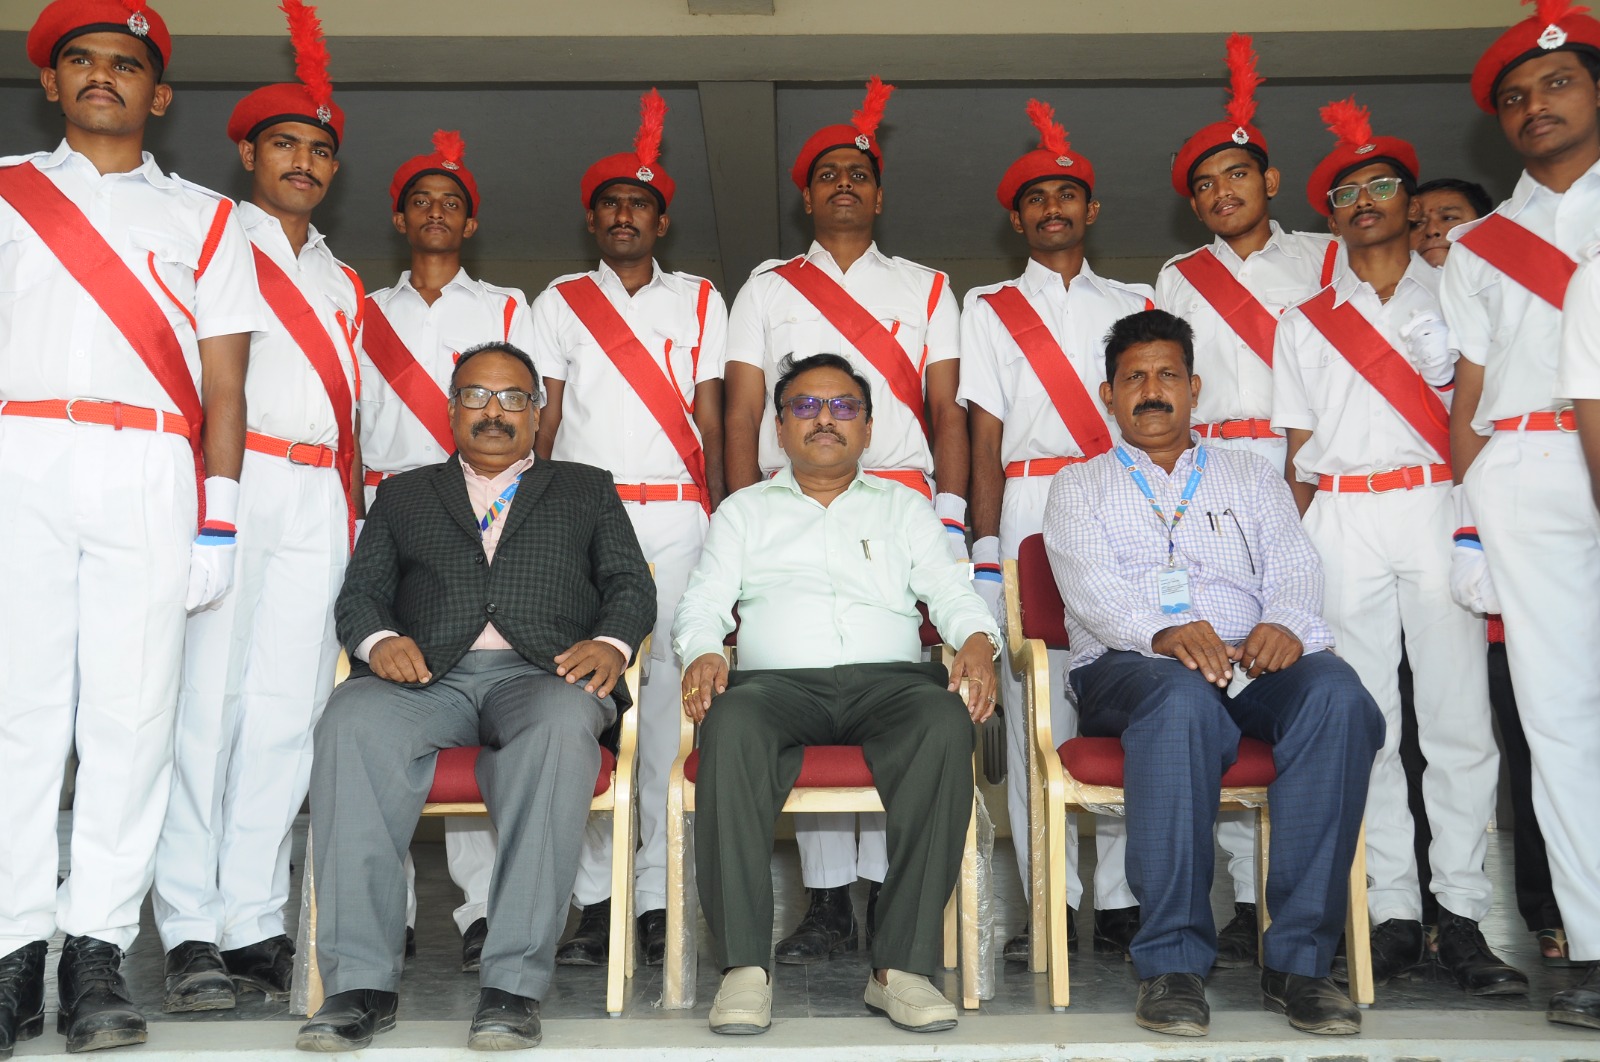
994	640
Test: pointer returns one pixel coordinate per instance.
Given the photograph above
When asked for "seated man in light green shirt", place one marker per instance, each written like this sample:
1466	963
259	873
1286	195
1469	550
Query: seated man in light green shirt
826	566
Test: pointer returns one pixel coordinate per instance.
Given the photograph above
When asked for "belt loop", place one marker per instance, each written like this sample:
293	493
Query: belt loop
643	491
161	419
116	416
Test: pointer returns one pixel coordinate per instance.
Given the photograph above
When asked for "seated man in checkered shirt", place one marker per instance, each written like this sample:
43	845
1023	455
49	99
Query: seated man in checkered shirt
1194	607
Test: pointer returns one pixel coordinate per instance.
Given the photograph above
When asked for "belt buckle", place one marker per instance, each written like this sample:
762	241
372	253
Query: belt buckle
1563	411
1222	427
289	456
1371	489
68	411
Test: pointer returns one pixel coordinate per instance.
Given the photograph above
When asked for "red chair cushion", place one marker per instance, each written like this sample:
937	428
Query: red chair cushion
822	767
1043	615
1098	761
455	780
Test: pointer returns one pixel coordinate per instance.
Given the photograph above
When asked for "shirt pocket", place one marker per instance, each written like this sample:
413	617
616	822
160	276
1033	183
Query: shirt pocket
907	325
797	334
888	569
673	346
170	261
23	263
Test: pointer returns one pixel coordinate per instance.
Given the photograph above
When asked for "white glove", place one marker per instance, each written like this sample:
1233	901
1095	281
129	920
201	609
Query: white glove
1428	340
952	511
211	558
988	577
1470	583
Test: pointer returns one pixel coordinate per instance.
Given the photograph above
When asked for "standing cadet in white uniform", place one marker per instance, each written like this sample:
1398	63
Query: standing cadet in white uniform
908	333
121	287
1537	536
258	669
1362	372
1231	292
431	314
634	361
1030	413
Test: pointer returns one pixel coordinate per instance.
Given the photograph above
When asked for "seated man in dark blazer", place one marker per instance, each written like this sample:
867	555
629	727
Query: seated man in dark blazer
495	600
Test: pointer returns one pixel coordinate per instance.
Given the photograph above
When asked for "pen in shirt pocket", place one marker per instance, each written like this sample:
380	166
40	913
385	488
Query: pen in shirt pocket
1213	518
866	548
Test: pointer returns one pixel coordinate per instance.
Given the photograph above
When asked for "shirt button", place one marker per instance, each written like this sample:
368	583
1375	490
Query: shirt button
491	608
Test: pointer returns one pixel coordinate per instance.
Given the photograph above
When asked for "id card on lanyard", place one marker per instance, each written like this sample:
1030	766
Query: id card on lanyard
498	506
1173	583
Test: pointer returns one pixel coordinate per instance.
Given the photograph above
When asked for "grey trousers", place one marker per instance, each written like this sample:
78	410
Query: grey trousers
375	750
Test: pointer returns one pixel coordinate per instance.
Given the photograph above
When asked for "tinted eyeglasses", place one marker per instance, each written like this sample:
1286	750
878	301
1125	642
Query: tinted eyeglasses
808	407
511	399
1381	189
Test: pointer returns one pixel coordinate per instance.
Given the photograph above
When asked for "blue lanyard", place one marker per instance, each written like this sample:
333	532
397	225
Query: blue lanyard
498	506
1189	489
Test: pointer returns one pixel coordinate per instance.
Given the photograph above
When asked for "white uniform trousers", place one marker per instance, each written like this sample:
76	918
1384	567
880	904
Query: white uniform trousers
1386	563
1021	515
670	535
95	530
1530	495
257	672
1236	830
469	842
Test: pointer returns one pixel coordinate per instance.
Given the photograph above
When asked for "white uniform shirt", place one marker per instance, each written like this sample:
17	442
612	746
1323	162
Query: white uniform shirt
603	420
1579	375
284	395
771	320
1237	383
1354	429
1514	334
996	375
56	342
468	312
820	586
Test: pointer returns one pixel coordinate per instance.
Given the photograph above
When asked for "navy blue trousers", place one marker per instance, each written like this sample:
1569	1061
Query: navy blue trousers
1179	734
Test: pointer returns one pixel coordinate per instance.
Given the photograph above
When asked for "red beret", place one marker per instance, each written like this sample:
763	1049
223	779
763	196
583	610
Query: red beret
1053	158
445	160
62	20
1557	25
860	134
290	102
641	166
1356	147
1236	131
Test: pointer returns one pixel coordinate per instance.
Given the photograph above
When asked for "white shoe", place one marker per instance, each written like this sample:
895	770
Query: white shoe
911	1002
743	1006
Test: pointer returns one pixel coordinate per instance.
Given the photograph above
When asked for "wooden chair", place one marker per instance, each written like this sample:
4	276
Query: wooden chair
455	792
832	778
1085	774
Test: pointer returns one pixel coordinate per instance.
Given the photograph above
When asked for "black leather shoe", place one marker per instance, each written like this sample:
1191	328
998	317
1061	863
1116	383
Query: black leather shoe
1236	944
411	943
96	1010
590	942
872	910
266	966
1312	1004
1114	930
1174	1004
1020	947
472	945
652	929
1464	952
504	1022
1580	1004
349	1020
1397	947
196	979
829	925
21	995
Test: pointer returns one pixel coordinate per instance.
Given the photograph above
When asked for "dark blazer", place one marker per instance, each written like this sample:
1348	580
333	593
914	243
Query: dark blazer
567	567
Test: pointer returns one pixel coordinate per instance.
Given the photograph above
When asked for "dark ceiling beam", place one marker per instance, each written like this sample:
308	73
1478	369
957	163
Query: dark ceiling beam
1354	54
741	130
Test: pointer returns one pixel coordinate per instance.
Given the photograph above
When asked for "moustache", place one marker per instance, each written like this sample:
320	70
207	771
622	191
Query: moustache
108	90
623	228
1152	405
837	196
814	432
302	175
489	423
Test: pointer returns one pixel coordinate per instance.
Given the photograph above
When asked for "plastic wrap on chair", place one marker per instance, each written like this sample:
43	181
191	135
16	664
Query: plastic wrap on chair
984	886
688	920
300	989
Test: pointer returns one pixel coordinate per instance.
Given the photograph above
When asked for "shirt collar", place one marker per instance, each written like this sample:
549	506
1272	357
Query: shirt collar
607	277
1346	284
497	482
816	250
1527	188
63	155
1037	278
460	280
1277	241
785	479
1141	460
253	218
